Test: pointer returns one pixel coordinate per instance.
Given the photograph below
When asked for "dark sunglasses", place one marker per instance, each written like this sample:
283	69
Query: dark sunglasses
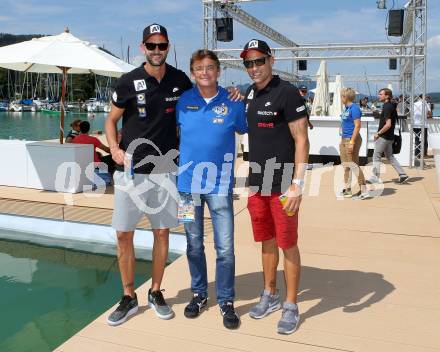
259	62
153	46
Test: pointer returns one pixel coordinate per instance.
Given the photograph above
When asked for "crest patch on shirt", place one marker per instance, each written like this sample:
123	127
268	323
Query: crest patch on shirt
251	95
140	98
142	112
139	84
218	120
221	110
192	107
301	108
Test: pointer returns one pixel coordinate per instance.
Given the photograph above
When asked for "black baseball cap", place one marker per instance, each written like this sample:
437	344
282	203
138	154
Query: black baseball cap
303	87
256	44
154	29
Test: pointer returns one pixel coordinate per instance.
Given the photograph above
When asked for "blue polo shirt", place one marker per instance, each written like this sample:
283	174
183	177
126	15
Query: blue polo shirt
349	114
207	141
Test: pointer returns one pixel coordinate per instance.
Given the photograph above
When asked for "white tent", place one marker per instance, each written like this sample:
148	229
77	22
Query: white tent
336	107
331	88
390	87
321	101
63	53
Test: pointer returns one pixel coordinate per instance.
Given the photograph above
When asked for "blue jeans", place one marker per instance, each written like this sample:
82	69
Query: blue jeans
222	214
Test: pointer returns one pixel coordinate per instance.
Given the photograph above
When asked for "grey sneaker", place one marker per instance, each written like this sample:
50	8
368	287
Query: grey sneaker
157	302
268	304
289	319
127	306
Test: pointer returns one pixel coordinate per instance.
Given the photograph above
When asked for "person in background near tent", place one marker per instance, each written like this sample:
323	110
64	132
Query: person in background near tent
350	145
384	137
363	104
418	116
84	138
74	131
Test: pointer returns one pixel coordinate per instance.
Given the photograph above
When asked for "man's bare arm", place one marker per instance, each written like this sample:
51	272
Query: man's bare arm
111	133
299	132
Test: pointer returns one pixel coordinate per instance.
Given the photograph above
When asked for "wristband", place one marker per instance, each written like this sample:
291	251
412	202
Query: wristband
298	182
352	143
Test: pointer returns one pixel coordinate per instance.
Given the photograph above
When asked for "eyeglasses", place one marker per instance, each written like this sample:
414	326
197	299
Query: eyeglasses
259	62
153	46
209	68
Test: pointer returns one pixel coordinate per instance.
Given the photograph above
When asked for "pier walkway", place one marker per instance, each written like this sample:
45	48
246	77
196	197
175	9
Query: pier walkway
369	280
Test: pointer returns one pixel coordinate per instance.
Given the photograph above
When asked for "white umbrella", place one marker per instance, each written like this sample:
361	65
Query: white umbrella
336	107
63	53
321	101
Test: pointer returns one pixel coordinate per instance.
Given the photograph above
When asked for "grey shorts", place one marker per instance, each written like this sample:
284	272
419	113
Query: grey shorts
154	195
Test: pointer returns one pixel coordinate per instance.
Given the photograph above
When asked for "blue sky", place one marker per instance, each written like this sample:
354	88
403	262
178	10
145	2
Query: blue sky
313	21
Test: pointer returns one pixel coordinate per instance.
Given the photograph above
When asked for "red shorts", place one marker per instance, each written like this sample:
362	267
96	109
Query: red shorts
269	220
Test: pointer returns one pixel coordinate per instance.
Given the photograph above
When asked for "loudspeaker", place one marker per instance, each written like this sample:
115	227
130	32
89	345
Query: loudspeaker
224	29
393	64
302	65
395	22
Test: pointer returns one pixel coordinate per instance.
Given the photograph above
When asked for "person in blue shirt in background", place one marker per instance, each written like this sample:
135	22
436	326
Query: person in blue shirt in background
350	145
208	121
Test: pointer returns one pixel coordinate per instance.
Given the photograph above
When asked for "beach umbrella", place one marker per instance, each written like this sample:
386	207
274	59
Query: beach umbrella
63	53
336	107
321	101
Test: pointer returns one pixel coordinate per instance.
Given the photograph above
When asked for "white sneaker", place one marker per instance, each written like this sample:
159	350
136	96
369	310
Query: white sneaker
361	195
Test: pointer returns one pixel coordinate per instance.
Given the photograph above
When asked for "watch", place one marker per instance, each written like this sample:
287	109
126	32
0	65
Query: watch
298	182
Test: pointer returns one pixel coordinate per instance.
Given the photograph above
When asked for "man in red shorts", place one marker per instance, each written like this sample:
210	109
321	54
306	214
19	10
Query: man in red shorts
278	140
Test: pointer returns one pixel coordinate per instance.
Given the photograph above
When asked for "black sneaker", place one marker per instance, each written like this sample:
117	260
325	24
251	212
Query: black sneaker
157	302
403	179
127	307
230	318
193	309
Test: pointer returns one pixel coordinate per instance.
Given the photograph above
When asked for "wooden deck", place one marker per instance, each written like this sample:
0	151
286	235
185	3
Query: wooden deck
369	280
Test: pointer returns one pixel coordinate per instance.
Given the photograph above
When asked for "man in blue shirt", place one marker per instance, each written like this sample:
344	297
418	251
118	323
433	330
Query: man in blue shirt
208	121
350	145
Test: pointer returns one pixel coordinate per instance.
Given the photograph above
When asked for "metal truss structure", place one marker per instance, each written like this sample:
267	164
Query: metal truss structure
410	52
413	72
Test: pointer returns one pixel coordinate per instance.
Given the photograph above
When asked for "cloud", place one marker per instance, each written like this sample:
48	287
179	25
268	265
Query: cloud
331	27
434	42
